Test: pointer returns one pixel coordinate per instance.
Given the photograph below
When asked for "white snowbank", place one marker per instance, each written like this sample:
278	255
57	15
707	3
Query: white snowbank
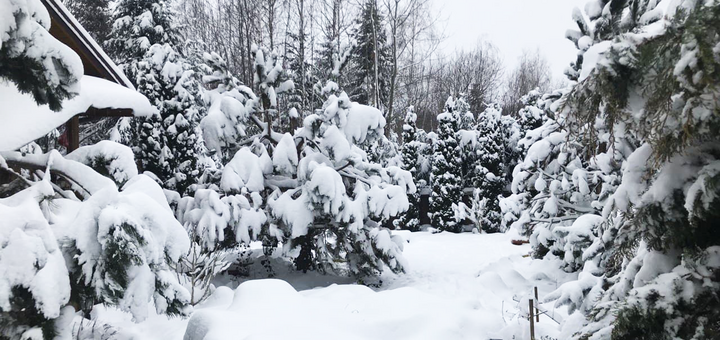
466	286
24	121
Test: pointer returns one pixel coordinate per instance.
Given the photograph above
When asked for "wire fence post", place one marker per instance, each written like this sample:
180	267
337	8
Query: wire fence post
537	307
532	319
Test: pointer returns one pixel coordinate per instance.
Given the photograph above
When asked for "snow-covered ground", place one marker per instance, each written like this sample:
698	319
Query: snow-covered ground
457	286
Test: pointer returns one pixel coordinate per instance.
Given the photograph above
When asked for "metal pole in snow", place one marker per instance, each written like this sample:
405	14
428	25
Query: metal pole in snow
532	319
537	307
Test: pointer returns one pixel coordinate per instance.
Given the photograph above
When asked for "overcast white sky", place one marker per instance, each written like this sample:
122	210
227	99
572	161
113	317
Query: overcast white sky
512	26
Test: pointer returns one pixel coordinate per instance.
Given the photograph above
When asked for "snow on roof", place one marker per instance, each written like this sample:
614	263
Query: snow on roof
24	121
58	11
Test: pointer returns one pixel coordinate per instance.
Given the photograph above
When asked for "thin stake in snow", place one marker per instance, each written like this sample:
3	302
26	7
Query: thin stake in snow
537	308
532	319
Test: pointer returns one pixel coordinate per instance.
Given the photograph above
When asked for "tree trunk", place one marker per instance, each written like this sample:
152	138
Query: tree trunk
376	82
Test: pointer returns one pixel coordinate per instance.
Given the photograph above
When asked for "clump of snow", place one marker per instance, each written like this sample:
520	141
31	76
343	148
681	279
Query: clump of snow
356	121
592	57
285	157
117	159
225	118
243	171
19	109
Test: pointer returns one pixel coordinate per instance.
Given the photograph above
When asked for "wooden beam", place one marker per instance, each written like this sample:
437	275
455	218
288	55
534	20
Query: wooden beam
73	133
93	112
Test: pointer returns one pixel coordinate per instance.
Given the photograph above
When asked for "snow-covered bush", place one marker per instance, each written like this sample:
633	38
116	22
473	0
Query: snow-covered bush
32	59
34	282
340	196
120	242
314	191
115	245
110	159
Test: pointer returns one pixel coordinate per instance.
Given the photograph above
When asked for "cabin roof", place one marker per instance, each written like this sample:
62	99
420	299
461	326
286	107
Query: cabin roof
68	30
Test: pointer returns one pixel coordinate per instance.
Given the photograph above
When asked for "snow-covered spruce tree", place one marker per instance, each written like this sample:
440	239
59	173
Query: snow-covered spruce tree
30	257
533	114
489	169
368	75
466	137
332	215
32	59
138	25
411	162
512	155
657	80
315	191
462	109
446	175
176	92
94	16
561	178
165	145
114	249
332	58
303	97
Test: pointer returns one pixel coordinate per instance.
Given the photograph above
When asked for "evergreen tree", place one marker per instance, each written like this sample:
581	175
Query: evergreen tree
660	221
138	25
181	115
512	155
332	58
446	172
115	247
48	71
411	163
489	173
94	16
462	109
532	115
618	208
369	74
314	191
300	69
466	136
165	144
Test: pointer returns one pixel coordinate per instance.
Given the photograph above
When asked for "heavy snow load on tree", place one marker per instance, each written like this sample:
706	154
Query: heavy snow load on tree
19	109
68	30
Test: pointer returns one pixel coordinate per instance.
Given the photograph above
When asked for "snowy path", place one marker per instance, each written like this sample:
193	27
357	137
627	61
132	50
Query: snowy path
458	286
447	264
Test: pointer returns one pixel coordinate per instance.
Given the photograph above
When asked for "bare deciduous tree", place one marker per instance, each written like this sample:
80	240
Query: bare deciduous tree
533	71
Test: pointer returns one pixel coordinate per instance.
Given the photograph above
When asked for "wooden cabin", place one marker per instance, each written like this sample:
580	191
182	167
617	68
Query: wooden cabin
96	63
